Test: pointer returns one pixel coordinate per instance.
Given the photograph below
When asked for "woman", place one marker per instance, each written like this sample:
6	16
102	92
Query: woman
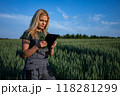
35	50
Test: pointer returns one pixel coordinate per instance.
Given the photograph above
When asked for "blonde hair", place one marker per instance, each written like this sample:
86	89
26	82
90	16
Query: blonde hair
34	23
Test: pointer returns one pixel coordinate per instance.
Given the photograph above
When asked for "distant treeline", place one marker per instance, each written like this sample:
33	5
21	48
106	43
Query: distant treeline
77	36
80	36
4	38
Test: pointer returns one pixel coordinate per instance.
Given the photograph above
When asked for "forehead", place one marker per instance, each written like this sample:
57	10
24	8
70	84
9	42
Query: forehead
43	17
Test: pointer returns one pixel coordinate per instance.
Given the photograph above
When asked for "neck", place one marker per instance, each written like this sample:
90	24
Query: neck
39	30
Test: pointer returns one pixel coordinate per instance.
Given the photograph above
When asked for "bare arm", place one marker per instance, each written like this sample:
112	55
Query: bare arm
52	48
28	52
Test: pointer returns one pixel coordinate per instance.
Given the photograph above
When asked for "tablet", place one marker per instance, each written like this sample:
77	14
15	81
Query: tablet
50	39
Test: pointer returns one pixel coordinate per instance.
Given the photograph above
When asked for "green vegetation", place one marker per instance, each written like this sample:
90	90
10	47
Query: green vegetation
90	59
11	61
80	36
84	36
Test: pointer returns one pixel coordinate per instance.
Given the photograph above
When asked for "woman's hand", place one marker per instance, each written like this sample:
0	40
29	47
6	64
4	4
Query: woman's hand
43	43
54	44
52	48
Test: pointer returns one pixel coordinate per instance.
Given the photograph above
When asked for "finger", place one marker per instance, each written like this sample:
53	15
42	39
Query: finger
45	43
53	45
55	42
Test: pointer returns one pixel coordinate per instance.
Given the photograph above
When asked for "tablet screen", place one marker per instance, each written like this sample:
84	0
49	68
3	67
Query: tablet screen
50	38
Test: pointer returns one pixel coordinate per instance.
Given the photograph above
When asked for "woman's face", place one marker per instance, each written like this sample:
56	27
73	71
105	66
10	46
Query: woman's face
42	22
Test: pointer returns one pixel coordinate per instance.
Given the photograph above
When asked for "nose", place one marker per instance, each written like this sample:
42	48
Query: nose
43	22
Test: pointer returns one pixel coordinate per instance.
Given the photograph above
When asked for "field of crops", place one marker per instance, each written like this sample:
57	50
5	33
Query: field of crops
79	59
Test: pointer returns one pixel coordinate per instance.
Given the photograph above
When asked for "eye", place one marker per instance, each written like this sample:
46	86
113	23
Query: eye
41	20
46	21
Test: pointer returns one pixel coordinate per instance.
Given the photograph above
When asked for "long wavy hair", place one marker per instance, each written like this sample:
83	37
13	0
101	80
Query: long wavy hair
34	23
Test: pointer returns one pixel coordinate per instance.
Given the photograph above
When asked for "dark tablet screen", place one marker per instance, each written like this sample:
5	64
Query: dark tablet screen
50	38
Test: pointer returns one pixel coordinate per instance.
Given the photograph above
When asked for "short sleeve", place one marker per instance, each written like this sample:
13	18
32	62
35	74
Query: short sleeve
26	35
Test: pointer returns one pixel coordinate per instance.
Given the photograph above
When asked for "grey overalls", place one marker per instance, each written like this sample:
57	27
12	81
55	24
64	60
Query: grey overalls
37	66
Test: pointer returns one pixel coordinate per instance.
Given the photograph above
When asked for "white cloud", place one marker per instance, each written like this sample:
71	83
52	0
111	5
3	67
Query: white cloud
71	26
63	13
64	27
60	25
19	17
96	17
65	16
15	16
109	23
75	17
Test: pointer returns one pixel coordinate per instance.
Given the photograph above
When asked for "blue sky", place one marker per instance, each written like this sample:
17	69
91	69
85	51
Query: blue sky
90	17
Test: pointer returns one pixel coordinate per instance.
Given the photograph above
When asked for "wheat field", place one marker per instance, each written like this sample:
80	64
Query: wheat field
74	59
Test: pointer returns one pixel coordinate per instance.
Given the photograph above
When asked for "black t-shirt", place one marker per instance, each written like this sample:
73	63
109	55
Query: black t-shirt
28	36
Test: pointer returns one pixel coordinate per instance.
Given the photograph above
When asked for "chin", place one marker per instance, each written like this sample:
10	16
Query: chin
42	28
